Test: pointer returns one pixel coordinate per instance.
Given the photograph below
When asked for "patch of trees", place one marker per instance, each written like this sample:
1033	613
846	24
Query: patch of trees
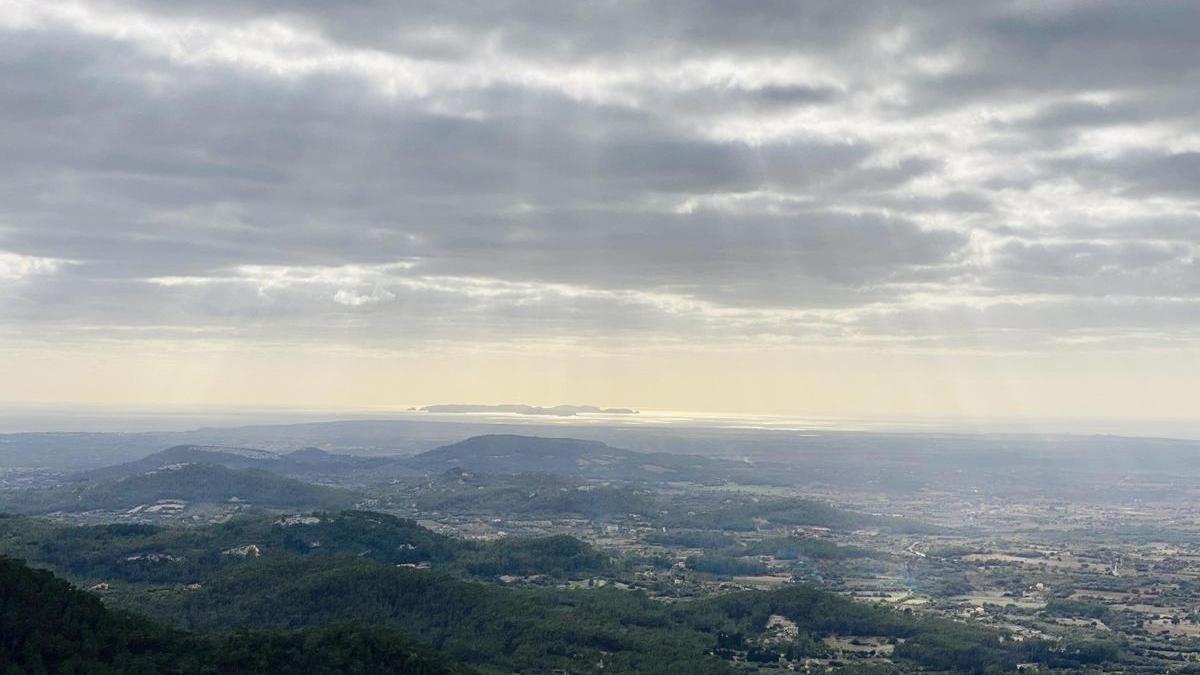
791	548
558	556
1076	609
725	565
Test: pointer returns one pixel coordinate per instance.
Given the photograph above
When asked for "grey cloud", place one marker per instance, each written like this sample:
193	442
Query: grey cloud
1082	114
1141	173
1022	50
1083	258
1179	227
955	201
573	31
1153	271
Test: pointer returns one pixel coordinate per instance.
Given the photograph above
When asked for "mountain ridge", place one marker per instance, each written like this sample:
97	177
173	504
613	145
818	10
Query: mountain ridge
512	454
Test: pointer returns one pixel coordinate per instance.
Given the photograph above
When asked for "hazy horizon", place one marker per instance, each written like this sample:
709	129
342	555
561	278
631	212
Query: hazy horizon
34	417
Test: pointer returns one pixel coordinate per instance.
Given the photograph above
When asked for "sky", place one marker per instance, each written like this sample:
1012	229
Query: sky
828	208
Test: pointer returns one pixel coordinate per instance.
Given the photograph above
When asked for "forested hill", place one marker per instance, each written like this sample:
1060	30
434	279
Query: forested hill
48	626
138	553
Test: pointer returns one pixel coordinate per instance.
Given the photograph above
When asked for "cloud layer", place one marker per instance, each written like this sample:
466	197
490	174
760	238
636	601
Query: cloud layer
1002	176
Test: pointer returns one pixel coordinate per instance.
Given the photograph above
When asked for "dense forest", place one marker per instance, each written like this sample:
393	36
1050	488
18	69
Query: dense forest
47	626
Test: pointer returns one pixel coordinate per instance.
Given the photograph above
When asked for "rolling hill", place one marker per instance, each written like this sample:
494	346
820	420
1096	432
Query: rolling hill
190	483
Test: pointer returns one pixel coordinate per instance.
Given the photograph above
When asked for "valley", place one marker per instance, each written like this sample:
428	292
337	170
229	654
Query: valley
213	537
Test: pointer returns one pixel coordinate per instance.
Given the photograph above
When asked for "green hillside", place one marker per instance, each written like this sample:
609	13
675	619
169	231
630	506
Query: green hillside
47	626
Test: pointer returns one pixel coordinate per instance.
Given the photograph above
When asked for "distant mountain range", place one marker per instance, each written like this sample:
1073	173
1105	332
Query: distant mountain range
521	409
306	463
491	454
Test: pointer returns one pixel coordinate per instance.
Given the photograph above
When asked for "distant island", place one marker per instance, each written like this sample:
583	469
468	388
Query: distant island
521	409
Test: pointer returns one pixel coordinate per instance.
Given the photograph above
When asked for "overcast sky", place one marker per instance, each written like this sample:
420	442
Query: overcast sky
847	208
